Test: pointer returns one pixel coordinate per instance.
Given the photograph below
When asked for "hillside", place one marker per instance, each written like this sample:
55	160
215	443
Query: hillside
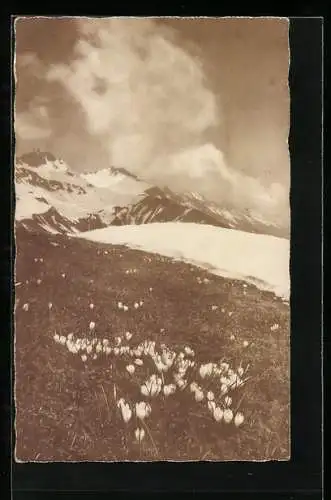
66	408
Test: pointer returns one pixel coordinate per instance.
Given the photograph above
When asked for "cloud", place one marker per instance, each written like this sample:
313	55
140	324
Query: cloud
144	95
31	125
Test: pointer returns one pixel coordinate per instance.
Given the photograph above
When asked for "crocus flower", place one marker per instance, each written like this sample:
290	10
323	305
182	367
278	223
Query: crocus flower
89	349
136	305
211	406
206	370
125	308
84	357
128	335
91	306
228	415
169	389
138	362
143	410
198	395
50	305
228	401
25	307
120	305
218	414
210	396
224	389
56	337
126	411
139	434
238	419
245	343
92	325
63	340
130	369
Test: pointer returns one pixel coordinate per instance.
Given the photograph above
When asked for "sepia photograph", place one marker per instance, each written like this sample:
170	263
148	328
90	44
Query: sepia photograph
152	234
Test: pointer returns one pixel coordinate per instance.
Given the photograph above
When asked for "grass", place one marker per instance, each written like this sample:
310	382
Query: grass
65	408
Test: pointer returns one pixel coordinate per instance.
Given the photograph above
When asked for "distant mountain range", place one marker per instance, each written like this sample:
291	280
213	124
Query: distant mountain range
50	197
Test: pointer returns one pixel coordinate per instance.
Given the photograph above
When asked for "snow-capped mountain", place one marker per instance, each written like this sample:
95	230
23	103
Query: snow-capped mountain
50	197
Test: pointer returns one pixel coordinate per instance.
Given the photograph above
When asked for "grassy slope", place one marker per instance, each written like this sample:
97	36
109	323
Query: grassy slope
65	409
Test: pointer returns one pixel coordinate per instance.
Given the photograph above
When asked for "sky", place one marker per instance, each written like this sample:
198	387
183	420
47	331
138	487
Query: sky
194	104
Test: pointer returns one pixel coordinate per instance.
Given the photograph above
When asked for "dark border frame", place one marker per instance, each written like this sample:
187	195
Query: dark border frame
301	476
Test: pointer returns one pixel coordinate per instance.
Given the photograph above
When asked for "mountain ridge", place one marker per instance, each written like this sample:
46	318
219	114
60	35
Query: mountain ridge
112	196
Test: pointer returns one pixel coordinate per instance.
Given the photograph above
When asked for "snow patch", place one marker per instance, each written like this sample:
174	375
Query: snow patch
255	258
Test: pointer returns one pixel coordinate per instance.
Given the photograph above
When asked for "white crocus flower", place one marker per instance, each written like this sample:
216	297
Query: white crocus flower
25	307
130	369
169	389
95	356
56	337
245	343
198	395
232	337
211	406
105	342
143	410
238	419
63	340
138	362
118	340
125	308
214	308
224	389
89	349
92	325
181	383
128	335
152	386
126	411
136	305
84	357
228	415
228	400
120	305
141	303
98	347
139	434
50	305
91	306
188	351
70	336
210	396
107	350
206	370
218	414
116	351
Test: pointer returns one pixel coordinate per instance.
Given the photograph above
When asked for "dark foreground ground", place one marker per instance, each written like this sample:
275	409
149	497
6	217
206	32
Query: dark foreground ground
65	409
